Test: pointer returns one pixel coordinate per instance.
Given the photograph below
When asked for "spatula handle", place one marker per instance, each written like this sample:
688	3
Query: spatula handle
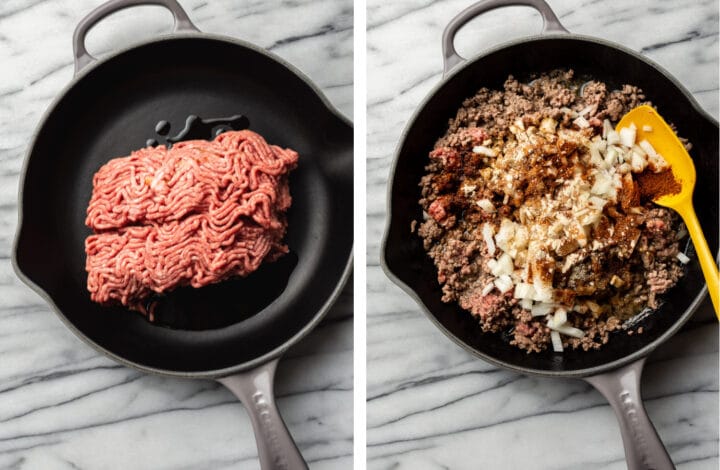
705	256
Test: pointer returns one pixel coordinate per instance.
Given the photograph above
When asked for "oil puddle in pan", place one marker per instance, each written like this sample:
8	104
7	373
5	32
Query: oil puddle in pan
233	300
197	128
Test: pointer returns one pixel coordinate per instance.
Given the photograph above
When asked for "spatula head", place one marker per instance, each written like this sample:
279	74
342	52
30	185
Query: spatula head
667	144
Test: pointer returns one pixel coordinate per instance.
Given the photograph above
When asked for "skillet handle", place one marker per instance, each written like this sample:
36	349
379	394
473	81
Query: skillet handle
83	57
451	58
254	388
643	448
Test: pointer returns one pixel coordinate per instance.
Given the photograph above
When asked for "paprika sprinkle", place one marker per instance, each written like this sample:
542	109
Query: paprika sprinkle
654	185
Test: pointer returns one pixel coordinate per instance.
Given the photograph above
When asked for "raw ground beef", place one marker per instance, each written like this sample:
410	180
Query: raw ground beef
641	270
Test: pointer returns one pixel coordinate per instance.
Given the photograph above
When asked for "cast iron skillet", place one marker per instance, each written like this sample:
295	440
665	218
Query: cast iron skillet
615	369
236	331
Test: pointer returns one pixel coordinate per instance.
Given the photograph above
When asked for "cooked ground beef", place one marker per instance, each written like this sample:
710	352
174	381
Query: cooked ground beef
604	276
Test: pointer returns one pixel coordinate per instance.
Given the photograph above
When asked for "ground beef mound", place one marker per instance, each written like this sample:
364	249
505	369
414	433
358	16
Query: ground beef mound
451	234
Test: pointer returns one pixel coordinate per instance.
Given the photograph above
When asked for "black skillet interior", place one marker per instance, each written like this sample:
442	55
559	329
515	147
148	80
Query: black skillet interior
404	256
113	110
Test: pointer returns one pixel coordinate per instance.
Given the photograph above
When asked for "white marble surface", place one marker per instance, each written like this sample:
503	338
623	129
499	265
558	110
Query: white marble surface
430	404
62	406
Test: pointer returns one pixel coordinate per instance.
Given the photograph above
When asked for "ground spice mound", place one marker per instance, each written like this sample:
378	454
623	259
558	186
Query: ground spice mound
654	185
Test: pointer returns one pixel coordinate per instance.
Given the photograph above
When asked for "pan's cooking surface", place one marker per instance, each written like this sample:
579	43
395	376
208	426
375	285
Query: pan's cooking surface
114	109
406	259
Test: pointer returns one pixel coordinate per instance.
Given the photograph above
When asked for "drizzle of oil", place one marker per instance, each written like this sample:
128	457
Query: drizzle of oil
162	128
197	128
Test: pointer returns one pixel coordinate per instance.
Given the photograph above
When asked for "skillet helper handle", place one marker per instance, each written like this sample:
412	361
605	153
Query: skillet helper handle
83	57
643	448
451	58
254	388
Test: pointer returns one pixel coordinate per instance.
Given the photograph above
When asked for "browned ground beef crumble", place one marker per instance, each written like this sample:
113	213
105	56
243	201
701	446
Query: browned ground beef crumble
450	232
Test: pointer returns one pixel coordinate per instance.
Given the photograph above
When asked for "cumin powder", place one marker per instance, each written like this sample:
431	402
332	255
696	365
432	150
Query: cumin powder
654	185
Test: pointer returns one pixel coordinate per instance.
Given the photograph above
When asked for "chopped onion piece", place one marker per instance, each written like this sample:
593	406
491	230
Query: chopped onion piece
616	281
543	295
607	128
486	205
586	110
647	147
503	283
541	309
612	151
505	234
627	136
657	163
613	138
543	289
594	307
468	189
524	291
683	258
483	150
610	159
570	331
527	304
487	232
595	157
637	163
639	150
488	288
581	122
556	341
503	267
560	316
597	202
603	184
548	125
647	128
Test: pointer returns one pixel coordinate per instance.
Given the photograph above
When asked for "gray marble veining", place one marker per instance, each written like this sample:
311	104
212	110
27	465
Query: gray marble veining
430	404
62	406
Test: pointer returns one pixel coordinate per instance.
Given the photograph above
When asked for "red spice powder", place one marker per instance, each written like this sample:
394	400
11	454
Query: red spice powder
654	185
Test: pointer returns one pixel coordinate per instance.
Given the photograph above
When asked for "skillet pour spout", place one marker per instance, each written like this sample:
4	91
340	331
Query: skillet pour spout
616	368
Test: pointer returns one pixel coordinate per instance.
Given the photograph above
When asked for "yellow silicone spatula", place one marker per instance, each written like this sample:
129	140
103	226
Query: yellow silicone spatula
666	143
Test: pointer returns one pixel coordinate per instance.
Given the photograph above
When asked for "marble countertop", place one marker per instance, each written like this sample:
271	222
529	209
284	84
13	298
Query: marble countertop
431	405
63	406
